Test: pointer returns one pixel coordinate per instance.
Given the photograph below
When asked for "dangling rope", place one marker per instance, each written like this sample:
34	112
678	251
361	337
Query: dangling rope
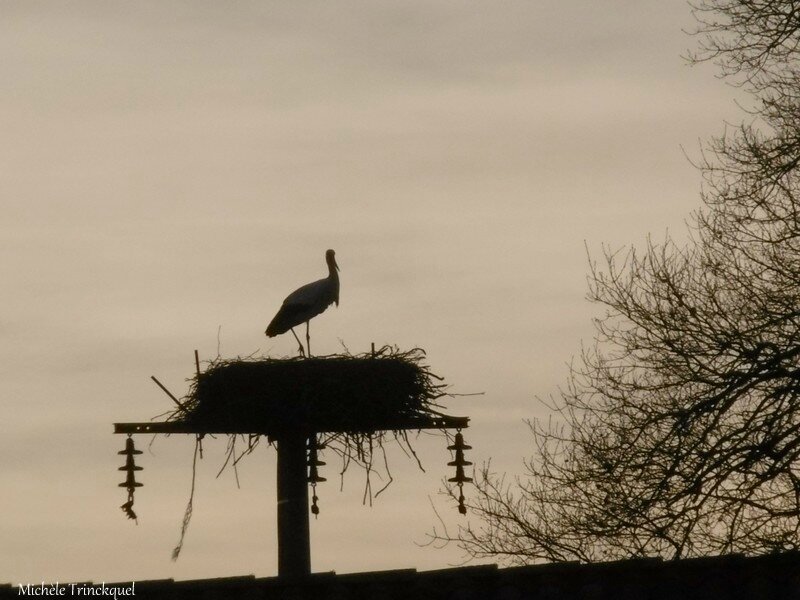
187	515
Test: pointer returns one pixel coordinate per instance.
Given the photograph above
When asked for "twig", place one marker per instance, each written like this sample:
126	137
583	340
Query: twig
166	391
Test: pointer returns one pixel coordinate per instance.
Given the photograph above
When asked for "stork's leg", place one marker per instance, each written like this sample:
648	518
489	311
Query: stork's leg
308	339
299	343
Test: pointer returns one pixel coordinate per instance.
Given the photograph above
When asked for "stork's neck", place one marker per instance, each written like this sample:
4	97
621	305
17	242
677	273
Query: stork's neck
332	273
333	277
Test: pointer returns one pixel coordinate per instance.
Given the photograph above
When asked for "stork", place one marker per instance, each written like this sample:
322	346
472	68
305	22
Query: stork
307	302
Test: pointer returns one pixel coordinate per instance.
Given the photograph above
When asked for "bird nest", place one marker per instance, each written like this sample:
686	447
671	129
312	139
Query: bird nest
337	393
350	404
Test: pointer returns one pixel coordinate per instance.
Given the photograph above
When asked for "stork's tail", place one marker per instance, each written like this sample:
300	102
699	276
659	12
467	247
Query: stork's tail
288	316
273	328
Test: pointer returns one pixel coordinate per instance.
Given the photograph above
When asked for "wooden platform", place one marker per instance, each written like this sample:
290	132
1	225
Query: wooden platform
409	423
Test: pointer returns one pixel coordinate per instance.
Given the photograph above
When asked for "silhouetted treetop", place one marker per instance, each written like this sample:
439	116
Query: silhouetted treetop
678	431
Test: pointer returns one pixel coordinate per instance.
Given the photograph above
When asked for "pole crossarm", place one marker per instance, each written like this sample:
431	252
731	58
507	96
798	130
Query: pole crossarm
293	439
400	423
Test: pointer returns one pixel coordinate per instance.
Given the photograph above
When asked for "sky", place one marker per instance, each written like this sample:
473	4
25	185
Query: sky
171	170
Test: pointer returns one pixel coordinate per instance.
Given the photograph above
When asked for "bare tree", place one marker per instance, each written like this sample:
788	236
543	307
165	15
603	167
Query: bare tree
756	40
678	432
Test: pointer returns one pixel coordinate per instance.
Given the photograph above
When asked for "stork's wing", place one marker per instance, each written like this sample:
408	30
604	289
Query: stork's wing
301	305
309	294
288	316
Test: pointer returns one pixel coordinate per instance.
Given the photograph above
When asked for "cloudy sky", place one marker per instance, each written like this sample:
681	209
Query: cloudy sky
171	170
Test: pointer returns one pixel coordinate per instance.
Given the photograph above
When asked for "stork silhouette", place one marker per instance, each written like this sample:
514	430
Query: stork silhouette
307	302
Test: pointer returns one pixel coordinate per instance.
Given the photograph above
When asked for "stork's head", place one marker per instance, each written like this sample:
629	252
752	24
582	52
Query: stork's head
330	258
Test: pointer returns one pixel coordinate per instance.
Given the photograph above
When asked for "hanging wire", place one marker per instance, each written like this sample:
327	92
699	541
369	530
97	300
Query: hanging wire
314	499
314	445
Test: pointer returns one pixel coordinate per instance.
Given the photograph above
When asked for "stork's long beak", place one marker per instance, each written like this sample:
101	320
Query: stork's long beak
335	264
